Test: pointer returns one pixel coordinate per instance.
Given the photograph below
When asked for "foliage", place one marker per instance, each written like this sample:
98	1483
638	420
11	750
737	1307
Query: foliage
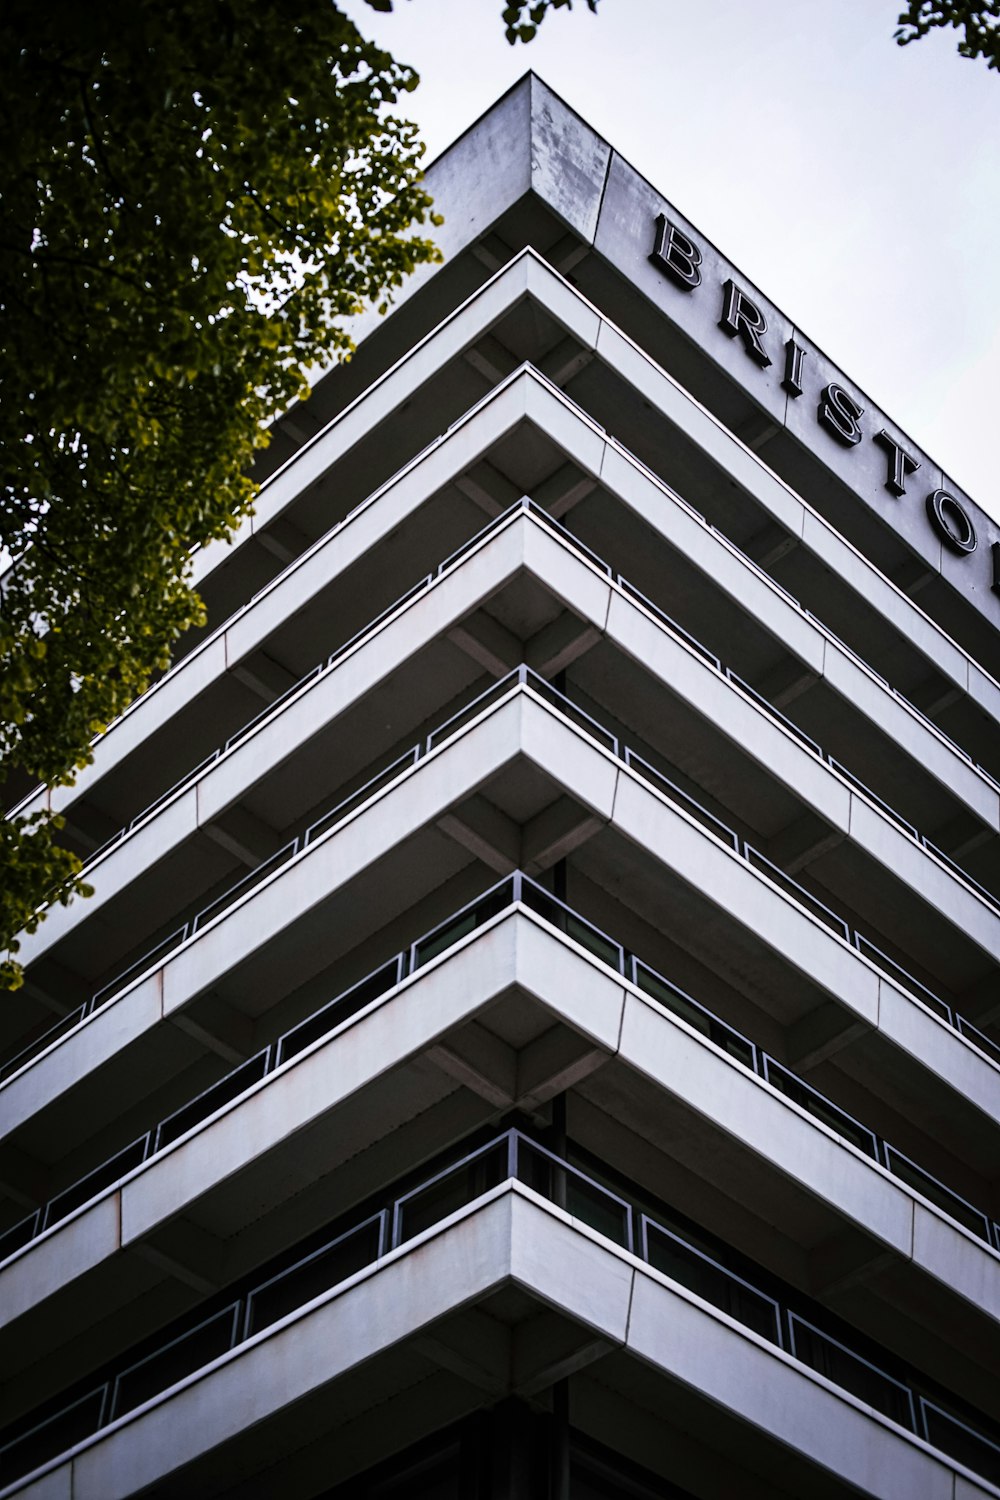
980	25
172	170
32	860
195	193
521	18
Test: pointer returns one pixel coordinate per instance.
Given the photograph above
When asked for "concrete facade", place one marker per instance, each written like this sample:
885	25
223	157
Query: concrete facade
536	1033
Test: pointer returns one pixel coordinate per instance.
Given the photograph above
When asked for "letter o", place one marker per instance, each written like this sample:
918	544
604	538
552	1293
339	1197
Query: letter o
951	522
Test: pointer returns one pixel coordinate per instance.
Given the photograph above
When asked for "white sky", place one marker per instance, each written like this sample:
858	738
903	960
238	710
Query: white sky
856	182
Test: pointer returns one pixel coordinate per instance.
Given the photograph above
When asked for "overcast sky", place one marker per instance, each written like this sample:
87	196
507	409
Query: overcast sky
856	182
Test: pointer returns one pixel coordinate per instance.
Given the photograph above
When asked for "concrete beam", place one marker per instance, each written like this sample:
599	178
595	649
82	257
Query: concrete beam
496	649
563	489
913	575
473	1346
490	358
567	359
263	676
557	645
770	544
546	1348
555	832
216	1025
845	1261
57	989
491	251
757	431
821	1034
486	487
282	538
556	1061
785	682
961	835
479	1061
802	841
934	695
244	835
567	253
486	832
185	1252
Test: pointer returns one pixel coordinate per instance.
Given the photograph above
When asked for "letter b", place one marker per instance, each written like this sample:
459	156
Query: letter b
674	253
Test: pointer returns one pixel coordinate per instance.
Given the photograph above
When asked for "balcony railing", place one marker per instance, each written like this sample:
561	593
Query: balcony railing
519	678
690	509
938	1005
525	505
502	897
511	1157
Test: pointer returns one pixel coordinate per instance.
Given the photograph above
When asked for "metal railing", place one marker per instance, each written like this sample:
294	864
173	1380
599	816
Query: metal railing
510	1157
516	889
519	678
662	484
320	669
526	505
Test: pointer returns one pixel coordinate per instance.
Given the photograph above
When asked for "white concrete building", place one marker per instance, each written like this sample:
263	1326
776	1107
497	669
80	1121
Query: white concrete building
535	1033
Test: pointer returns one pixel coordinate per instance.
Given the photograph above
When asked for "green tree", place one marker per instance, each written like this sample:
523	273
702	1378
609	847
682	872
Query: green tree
979	25
195	194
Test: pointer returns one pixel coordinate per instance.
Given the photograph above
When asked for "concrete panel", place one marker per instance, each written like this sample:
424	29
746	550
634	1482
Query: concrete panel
551	741
748	897
576	583
127	734
337	857
557	974
562	1261
880	837
720	563
863	467
454	1263
936	1045
56	1485
319	701
982	688
957	1259
912	733
80	1051
564	423
561	300
475	181
872	586
762	1386
68	1251
679	407
625	237
766	1124
324	699
351	538
776	498
966	1488
729	710
116	870
569	160
315	458
443	996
